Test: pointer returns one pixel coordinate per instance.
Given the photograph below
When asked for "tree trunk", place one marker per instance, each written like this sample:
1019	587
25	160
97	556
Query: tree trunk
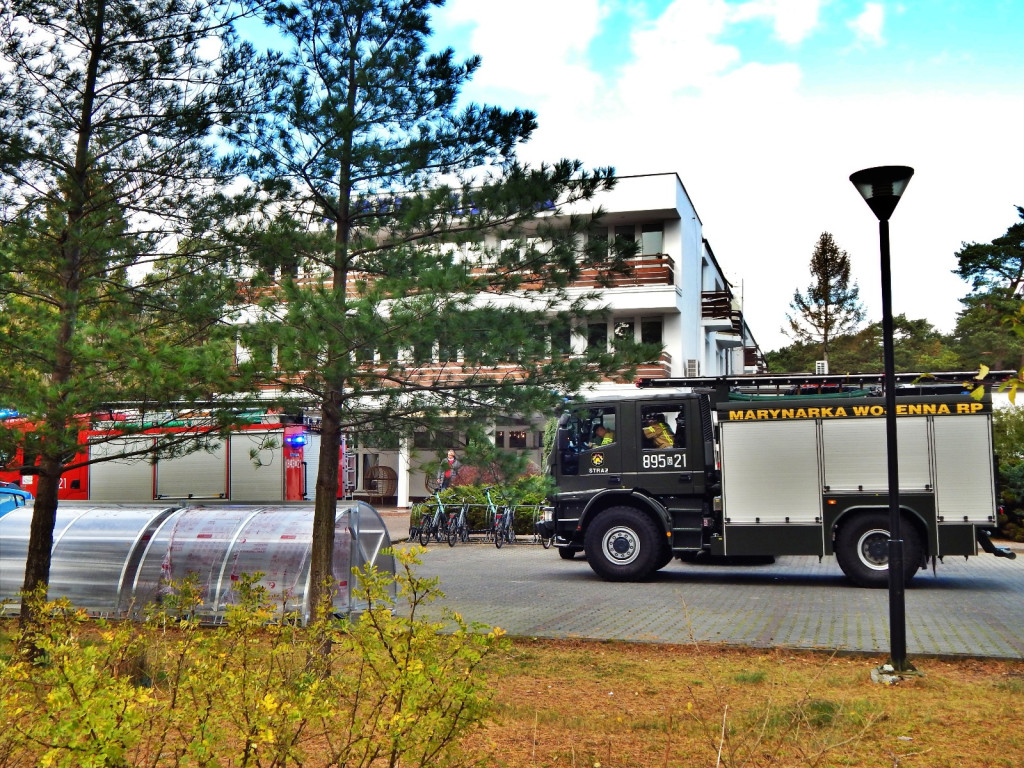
40	540
321	581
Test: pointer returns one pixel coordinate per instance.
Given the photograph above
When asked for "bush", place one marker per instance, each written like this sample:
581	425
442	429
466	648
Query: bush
527	491
1008	441
386	688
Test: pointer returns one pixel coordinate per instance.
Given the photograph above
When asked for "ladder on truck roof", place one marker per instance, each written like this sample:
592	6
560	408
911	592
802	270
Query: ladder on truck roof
814	383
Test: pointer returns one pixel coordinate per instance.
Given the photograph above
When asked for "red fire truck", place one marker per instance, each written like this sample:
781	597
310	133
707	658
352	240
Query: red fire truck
261	461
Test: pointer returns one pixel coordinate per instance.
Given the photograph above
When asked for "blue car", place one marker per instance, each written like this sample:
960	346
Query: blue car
12	497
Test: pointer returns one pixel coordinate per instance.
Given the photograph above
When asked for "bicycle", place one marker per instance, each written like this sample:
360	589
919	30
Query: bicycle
502	522
505	531
457	526
433	522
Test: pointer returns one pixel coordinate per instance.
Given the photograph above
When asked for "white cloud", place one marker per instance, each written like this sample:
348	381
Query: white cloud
531	46
678	51
792	20
868	26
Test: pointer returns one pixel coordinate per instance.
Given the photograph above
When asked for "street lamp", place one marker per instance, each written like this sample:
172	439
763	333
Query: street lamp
881	189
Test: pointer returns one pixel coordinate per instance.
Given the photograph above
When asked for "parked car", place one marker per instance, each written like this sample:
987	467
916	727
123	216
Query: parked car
12	497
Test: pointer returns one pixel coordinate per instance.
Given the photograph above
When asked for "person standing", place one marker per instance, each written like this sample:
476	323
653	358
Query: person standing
449	468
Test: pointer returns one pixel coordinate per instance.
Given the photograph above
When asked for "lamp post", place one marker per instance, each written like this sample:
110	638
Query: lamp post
881	188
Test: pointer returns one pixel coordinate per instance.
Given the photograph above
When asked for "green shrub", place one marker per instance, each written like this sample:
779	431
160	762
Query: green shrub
527	493
387	687
1008	442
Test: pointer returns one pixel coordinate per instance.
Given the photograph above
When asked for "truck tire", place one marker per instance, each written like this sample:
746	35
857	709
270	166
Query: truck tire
568	553
665	559
862	549
622	544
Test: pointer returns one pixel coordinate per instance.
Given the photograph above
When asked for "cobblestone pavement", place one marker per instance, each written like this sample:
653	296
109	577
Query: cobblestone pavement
971	607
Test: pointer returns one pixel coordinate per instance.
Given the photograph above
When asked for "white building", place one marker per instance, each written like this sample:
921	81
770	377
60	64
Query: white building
676	295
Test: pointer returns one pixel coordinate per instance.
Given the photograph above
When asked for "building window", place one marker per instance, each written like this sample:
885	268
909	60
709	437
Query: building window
561	340
652	239
517	438
626	232
624	331
439	440
597	336
387	353
499	438
422	352
447	353
650	330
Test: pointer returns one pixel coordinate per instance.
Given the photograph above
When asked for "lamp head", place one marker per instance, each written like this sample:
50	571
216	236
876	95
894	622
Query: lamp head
882	187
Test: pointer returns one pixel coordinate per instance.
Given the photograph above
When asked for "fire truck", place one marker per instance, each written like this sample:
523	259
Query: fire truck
733	467
259	461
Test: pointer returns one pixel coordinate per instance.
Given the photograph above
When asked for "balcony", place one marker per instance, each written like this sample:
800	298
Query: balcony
643	270
656	369
719	313
647	270
753	360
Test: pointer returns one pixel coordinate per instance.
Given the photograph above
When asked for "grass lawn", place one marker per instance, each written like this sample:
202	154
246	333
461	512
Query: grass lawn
620	705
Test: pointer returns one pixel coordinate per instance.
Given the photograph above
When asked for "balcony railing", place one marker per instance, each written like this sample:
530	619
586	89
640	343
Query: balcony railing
652	270
718	313
753	360
643	270
455	373
656	369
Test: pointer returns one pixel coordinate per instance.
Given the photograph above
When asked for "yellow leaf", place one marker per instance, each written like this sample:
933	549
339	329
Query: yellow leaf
270	703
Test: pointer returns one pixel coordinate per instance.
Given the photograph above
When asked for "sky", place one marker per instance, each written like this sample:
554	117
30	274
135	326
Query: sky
764	108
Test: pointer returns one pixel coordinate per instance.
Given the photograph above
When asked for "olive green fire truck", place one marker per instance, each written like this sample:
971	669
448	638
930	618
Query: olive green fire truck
770	466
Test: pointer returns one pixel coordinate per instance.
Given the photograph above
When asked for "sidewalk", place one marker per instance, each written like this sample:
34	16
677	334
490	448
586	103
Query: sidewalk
397	522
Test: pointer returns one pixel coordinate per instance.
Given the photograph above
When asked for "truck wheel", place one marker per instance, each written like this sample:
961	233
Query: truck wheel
665	559
622	544
862	549
568	553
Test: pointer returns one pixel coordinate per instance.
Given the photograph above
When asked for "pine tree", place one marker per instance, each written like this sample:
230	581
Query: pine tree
830	306
112	279
417	275
996	303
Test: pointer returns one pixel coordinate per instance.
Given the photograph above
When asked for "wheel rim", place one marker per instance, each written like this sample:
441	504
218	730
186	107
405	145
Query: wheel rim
873	549
621	545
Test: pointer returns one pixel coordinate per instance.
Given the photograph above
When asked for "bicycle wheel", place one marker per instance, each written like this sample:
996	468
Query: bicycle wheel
425	531
464	532
546	543
499	531
453	532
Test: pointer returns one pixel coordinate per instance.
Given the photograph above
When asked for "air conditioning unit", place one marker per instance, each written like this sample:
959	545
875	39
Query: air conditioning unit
692	368
821	367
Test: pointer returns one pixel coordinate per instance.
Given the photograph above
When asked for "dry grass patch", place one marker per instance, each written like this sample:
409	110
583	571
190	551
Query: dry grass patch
583	704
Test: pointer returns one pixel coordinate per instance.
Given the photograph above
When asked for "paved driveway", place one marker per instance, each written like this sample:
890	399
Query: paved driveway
971	607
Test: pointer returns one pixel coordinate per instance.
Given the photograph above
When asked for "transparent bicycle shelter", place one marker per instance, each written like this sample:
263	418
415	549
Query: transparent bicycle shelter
113	560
